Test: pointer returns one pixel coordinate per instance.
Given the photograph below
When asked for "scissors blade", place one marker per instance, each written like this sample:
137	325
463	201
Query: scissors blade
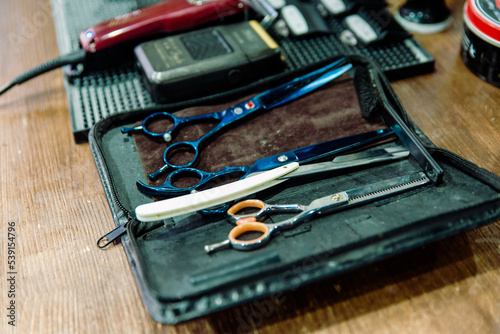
317	151
356	196
351	160
302	85
335	146
385	188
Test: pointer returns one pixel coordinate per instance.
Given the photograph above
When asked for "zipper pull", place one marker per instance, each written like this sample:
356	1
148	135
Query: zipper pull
110	237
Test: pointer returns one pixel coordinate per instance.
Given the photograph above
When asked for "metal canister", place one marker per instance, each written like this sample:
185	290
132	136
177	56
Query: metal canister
480	49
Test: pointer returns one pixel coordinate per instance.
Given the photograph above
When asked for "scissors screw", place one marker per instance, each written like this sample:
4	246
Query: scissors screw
282	158
167	137
238	110
336	198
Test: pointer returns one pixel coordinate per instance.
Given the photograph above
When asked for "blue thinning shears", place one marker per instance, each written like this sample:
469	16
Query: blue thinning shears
267	100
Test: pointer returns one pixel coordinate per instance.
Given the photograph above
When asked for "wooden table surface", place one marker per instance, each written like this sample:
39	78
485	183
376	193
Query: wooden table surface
52	197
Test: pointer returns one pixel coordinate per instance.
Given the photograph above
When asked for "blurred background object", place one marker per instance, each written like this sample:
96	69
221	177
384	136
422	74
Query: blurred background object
424	16
480	48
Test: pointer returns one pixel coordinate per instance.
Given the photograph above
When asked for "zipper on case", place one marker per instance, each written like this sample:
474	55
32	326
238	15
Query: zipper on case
118	210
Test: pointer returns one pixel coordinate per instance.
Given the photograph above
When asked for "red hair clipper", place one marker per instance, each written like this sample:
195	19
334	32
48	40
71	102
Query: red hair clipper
166	16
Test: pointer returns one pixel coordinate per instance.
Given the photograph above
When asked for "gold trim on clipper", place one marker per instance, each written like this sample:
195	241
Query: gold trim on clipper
263	34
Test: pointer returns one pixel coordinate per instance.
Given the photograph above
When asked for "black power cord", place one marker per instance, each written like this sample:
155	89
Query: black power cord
74	58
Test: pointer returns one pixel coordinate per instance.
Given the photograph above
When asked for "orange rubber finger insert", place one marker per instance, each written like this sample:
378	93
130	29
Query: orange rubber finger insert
251	203
248	227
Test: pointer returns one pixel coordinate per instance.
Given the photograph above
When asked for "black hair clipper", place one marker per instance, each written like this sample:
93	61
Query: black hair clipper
207	61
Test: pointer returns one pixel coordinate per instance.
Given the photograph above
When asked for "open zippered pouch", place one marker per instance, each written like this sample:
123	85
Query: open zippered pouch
179	280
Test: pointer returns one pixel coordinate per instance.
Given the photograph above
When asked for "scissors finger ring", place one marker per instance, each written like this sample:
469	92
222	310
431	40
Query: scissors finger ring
251	203
238	231
262	208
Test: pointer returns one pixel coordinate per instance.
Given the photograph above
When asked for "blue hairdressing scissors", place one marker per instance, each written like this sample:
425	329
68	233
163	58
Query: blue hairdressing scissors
264	101
301	155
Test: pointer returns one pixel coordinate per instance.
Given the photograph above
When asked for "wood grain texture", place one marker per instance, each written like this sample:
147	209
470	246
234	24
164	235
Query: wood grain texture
51	190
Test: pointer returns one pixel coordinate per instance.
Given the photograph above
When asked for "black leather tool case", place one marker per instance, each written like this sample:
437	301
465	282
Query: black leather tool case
179	281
